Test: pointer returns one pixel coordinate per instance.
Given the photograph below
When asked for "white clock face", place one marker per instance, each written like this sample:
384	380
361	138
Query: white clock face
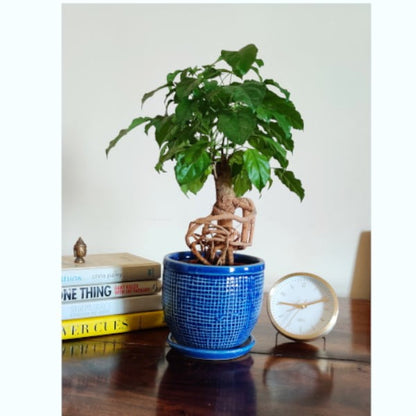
303	306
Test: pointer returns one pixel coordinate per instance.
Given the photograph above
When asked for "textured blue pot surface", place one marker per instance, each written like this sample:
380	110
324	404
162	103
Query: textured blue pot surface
211	307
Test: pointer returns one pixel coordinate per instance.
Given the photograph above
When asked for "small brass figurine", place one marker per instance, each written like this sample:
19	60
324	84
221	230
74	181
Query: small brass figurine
80	251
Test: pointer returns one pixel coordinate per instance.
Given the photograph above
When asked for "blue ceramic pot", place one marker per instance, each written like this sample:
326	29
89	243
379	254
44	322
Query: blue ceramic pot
211	307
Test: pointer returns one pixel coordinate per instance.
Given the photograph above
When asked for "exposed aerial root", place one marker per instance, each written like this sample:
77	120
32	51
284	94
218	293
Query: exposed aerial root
213	239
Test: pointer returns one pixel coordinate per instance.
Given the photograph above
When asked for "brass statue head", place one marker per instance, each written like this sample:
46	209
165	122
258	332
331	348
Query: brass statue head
80	251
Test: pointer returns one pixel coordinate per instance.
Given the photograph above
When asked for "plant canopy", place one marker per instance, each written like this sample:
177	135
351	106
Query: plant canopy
224	119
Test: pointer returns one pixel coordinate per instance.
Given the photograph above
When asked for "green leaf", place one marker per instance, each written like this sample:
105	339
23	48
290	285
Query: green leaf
237	125
284	124
210	72
218	97
209	86
285	92
185	87
165	128
195	151
259	62
280	108
192	163
236	161
274	130
250	93
258	168
196	185
288	179
172	75
241	183
282	136
136	122
183	111
240	61
240	179
151	93
189	71
268	147
152	123
169	151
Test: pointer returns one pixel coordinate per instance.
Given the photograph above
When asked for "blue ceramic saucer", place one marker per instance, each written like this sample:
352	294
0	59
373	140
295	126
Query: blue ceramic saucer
203	354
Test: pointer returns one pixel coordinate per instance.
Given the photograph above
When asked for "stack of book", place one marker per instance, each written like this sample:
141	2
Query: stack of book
109	294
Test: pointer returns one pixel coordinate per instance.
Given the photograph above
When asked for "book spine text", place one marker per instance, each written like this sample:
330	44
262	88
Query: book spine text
109	290
109	274
111	324
114	306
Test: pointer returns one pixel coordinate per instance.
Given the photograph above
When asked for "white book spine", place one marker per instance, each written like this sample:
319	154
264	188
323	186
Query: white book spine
115	306
109	290
107	274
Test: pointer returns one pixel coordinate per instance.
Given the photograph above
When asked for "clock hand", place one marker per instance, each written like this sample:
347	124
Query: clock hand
298	306
303	305
315	301
291	318
295	305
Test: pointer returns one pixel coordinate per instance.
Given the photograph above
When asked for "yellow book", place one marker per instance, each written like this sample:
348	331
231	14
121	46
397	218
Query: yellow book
111	324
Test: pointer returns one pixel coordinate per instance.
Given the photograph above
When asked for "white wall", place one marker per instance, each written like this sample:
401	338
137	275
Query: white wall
113	54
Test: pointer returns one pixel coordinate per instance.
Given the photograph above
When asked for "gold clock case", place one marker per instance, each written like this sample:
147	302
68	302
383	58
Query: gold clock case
314	335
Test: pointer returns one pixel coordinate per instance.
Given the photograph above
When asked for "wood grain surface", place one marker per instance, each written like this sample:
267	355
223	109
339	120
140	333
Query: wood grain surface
138	374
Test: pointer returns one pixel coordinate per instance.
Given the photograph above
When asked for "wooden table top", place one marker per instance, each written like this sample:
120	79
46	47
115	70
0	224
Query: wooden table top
137	373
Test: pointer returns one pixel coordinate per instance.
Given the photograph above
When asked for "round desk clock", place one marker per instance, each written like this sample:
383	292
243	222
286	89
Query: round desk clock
302	306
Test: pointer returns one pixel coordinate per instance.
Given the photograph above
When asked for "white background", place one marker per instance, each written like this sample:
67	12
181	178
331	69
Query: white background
113	54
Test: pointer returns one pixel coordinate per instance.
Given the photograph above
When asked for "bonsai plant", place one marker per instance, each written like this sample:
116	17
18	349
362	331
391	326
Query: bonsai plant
223	120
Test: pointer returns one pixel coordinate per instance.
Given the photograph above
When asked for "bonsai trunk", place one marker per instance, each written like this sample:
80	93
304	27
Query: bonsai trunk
225	203
219	237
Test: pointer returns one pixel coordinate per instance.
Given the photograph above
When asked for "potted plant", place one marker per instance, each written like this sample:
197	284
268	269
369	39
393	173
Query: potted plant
221	120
